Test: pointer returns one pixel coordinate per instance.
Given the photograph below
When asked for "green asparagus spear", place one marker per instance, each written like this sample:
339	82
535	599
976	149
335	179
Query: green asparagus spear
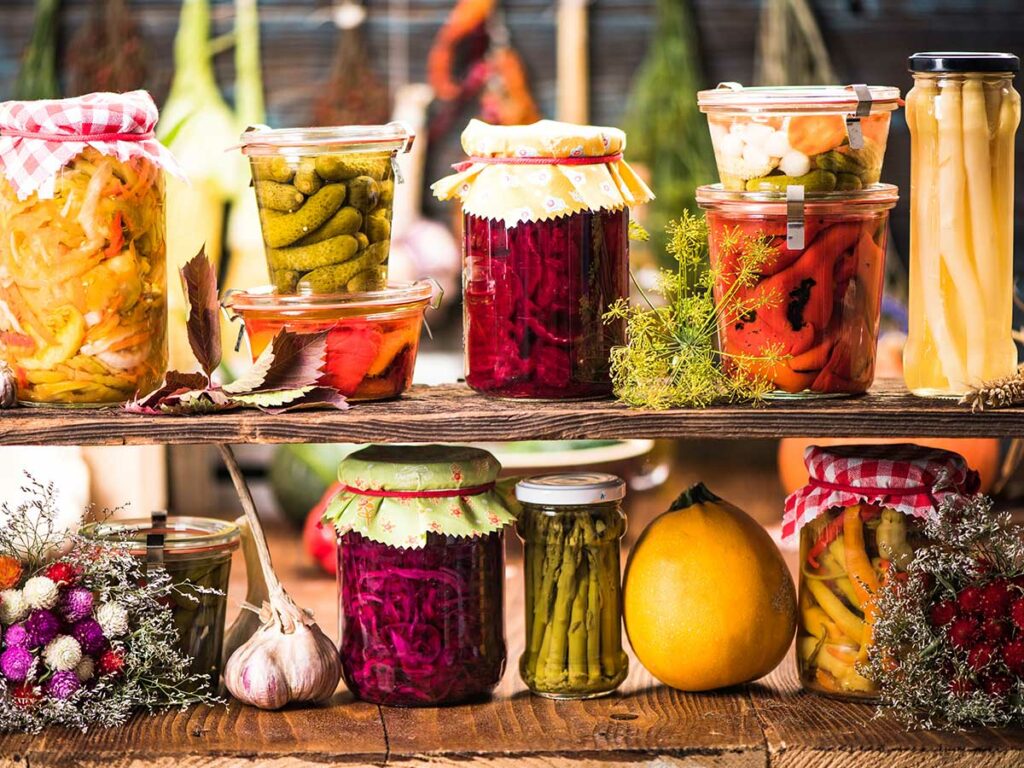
578	663
555	665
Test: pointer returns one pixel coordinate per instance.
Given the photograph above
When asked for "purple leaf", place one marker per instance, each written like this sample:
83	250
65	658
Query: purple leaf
200	284
175	383
292	361
318	397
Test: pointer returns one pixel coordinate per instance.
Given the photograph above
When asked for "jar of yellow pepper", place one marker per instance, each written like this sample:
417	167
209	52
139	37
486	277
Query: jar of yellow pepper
83	283
860	519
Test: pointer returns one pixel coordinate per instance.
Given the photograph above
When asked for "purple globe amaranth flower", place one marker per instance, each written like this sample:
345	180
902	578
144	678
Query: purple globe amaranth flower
16	663
90	636
42	626
16	636
63	684
76	604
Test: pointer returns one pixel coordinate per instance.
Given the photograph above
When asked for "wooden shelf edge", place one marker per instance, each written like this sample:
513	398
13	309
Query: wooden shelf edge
452	413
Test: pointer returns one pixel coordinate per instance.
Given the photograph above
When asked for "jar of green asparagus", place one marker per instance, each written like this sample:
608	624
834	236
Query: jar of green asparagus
571	525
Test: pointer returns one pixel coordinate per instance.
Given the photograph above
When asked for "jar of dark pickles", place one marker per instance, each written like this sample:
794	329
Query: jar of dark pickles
571	526
420	574
546	254
196	553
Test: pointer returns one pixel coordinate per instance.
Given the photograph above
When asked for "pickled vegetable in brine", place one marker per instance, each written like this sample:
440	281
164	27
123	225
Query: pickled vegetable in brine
82	283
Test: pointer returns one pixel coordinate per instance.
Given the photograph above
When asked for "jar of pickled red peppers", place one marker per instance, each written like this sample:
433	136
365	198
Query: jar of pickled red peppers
817	330
860	521
421	573
825	138
546	253
963	114
83	284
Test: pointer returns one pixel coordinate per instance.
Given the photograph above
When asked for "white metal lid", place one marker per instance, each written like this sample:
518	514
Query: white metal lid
571	488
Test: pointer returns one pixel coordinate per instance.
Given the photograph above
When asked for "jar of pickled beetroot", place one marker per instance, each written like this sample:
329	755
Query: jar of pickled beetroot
372	337
546	253
817	291
860	519
421	573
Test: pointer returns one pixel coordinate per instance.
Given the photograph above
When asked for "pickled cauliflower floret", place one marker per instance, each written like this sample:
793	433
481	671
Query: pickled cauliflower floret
795	163
744	169
777	144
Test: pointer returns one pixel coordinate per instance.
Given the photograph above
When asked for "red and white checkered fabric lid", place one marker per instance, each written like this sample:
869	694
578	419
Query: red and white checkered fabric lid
902	477
38	138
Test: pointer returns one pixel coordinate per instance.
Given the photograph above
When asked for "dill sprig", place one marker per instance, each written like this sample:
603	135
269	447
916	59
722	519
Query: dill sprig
671	357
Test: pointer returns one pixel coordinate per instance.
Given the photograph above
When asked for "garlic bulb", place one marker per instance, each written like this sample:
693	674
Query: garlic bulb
289	658
248	621
8	387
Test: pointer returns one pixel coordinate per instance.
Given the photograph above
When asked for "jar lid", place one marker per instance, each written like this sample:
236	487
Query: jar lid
398	494
963	61
571	489
545	138
395	296
797	98
183	535
911	479
873	197
393	137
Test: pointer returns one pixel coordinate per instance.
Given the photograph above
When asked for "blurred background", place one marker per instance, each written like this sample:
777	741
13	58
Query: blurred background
215	67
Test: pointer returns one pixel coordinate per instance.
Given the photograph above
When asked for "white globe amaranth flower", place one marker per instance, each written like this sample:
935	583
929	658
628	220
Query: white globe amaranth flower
86	668
13	607
41	592
63	653
113	619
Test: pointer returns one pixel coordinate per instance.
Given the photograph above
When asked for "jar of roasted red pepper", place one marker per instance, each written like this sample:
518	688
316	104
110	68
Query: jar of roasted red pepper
546	254
818	294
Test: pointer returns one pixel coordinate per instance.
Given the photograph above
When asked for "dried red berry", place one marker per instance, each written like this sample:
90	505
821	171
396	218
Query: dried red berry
994	630
25	695
962	632
62	574
998	685
942	613
1013	656
969	599
996	599
111	662
981	656
1017	612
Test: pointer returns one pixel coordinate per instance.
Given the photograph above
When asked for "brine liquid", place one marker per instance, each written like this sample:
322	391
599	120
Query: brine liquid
961	232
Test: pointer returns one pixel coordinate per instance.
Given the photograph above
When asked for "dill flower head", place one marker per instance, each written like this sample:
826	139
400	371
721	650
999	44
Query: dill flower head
62	653
41	592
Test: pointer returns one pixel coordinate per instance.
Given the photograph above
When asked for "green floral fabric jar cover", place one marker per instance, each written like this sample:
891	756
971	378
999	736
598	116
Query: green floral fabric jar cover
405	521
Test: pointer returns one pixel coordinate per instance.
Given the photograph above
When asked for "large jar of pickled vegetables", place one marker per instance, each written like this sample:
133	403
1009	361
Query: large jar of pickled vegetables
860	520
814	269
325	197
963	114
196	554
546	253
571	525
420	573
83	285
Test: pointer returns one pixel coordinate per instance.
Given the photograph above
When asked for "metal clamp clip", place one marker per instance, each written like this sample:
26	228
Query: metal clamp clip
853	126
795	217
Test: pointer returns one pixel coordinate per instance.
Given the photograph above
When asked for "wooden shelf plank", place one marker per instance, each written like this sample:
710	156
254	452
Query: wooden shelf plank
452	413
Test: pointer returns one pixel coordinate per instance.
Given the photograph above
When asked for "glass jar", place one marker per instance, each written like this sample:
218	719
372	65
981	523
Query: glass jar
195	552
825	138
861	520
325	198
535	297
571	526
420	573
83	286
422	626
546	254
963	114
817	330
372	337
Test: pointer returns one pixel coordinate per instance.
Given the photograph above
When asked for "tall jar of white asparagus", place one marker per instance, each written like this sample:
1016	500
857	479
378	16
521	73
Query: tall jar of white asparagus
963	113
83	284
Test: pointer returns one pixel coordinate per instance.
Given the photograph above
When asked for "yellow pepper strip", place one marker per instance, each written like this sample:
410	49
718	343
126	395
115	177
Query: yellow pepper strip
842	583
865	583
843	654
817	623
851	626
845	675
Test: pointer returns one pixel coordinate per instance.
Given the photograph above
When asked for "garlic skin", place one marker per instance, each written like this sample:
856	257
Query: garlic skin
289	659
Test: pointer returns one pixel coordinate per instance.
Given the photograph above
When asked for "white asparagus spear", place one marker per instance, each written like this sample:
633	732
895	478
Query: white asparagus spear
977	164
1003	134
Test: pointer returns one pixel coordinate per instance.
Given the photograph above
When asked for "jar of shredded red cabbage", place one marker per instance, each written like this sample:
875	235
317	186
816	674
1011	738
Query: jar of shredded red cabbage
422	626
420	573
546	248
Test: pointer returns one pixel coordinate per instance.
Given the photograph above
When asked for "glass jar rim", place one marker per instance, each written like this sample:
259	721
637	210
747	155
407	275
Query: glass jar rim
183	534
874	197
395	296
963	63
391	138
819	98
568	489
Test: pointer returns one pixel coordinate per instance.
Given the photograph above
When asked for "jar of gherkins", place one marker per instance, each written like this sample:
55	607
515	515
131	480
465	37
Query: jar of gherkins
325	197
196	554
571	525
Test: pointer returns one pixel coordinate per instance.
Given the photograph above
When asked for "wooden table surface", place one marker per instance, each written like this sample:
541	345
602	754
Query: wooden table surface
769	723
